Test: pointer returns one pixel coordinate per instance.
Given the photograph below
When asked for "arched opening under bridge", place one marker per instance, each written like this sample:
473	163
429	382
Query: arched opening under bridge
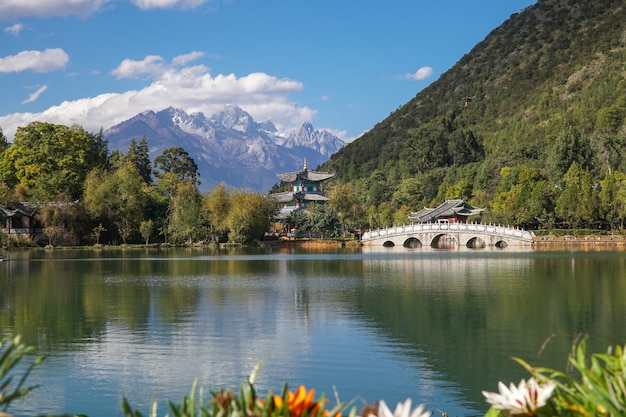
412	243
444	241
476	243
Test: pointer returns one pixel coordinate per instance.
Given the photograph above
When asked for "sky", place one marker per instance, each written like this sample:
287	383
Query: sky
341	65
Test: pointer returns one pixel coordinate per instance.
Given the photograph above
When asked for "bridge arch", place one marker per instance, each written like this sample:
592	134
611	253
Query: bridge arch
476	243
412	242
444	241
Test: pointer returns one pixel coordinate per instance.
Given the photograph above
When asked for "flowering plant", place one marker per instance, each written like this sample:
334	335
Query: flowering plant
600	389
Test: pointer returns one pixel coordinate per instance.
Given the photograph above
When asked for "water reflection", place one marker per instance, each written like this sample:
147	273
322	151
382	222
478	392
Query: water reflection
435	325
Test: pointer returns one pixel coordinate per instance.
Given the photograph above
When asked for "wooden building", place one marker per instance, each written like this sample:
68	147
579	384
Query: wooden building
451	211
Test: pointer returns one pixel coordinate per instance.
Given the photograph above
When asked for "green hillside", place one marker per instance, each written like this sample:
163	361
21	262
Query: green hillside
547	109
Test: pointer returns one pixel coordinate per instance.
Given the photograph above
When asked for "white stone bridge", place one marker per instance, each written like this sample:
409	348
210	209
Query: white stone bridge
446	235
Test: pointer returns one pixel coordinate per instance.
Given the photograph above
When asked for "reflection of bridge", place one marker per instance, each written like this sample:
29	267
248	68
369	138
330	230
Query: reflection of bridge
471	235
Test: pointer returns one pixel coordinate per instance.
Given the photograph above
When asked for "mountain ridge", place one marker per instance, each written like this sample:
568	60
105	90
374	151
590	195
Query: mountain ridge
229	147
552	66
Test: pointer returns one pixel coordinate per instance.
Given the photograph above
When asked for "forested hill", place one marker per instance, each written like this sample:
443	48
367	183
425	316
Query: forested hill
547	88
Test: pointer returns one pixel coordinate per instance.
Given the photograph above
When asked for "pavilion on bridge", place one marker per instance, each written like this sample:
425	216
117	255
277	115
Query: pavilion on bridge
451	211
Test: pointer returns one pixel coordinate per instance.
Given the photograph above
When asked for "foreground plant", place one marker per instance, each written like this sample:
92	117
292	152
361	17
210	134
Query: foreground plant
246	403
526	399
402	410
12	351
599	389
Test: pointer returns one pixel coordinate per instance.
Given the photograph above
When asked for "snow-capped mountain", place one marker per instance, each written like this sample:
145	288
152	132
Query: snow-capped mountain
229	147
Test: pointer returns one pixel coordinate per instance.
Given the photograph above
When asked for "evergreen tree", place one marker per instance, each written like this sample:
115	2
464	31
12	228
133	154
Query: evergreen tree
139	155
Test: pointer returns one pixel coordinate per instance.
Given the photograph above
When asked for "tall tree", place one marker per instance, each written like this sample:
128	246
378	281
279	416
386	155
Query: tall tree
177	162
216	205
185	214
139	155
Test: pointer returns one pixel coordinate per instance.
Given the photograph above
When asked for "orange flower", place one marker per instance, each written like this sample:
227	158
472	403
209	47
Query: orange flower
300	402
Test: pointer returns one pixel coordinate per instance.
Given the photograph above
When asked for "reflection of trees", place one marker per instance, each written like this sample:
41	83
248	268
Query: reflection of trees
477	313
53	302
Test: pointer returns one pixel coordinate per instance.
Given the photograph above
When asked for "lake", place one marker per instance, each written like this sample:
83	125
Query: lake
438	326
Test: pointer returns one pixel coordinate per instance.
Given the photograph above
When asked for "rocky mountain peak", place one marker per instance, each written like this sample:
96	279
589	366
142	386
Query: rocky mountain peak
230	146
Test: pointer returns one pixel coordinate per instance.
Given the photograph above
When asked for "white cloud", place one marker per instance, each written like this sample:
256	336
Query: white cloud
167	4
15	29
192	89
34	96
187	58
420	74
11	9
38	61
150	65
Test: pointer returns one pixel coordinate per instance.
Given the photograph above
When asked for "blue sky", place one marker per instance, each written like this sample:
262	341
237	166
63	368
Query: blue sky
341	65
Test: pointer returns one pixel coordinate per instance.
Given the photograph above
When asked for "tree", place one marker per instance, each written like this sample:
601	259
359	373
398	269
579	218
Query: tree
56	217
121	197
145	228
578	201
570	147
4	144
139	155
249	216
410	192
612	197
49	159
184	214
216	206
299	220
324	222
176	162
344	199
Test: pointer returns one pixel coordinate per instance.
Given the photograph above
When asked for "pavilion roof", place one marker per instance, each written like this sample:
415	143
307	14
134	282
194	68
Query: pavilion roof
289	196
305	175
448	209
11	209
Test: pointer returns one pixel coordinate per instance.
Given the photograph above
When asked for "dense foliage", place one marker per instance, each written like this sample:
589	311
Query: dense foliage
81	193
541	138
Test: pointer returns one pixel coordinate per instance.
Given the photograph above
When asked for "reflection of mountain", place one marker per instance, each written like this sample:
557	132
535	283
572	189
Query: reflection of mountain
467	316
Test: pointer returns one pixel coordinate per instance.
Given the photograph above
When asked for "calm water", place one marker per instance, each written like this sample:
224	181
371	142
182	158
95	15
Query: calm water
436	326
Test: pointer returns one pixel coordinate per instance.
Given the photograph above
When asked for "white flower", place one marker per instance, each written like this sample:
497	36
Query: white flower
526	398
402	410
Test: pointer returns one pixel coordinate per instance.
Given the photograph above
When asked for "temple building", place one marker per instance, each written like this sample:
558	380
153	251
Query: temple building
451	211
304	190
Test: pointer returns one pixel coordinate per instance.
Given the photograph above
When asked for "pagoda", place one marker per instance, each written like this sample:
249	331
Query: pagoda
304	189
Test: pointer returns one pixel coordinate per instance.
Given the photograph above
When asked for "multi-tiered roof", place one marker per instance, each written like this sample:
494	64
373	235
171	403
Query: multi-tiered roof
304	187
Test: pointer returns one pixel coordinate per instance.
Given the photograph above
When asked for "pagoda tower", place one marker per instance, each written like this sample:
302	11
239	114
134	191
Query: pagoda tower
304	189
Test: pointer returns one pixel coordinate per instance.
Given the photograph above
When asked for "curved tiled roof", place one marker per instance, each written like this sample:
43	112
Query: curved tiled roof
288	196
449	208
305	175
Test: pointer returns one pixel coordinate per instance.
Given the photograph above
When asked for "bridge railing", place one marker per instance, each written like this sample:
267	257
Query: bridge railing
448	227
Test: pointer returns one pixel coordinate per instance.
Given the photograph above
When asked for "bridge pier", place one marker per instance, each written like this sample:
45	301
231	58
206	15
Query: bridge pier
470	235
